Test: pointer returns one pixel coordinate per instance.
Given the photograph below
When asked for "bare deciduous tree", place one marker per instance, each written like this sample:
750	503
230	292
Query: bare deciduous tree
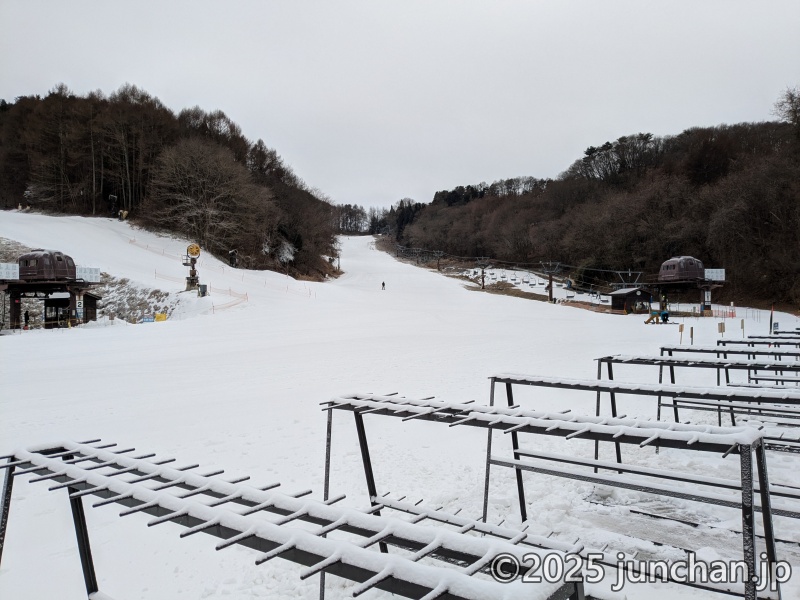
787	108
201	191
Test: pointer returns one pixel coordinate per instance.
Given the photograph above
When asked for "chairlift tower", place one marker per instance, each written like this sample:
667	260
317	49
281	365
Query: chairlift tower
483	264
438	254
550	267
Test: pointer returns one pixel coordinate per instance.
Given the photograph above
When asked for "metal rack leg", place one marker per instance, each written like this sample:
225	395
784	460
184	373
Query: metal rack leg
362	442
597	411
5	499
85	551
766	511
748	521
326	489
488	460
523	512
613	398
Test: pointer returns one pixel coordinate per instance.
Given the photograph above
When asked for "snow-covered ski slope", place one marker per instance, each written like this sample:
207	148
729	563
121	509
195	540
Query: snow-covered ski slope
238	386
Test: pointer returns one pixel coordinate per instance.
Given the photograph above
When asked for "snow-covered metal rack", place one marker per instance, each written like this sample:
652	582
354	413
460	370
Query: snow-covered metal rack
443	563
775	343
743	401
751	353
776	381
744	441
754	395
769	416
723	351
776	372
751	367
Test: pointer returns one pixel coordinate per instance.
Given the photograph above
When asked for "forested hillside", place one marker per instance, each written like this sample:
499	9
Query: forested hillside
194	174
729	195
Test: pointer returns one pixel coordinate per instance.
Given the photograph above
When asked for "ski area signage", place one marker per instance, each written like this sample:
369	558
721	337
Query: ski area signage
90	274
9	271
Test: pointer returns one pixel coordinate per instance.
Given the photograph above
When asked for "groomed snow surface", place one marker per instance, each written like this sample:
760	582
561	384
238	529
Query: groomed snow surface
234	381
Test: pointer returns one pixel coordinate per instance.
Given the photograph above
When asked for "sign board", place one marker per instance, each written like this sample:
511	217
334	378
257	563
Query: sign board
148	319
708	296
9	271
715	274
776	326
161	316
90	274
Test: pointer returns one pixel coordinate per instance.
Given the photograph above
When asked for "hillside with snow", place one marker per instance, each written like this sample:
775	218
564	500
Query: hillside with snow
235	380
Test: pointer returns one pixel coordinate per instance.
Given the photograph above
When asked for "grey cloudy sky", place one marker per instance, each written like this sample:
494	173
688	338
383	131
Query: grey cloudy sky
371	101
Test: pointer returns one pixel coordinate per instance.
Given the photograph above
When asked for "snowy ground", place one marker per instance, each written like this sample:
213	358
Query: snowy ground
234	381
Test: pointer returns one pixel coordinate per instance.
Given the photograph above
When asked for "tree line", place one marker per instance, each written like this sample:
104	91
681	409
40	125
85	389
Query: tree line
193	173
728	195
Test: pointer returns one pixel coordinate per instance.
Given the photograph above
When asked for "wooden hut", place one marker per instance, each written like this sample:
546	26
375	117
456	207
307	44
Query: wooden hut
629	300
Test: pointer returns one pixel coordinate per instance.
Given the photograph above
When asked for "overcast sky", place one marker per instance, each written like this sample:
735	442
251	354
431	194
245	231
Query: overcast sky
372	101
